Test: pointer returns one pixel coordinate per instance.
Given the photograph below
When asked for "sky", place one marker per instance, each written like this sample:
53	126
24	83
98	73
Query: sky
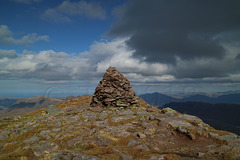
63	47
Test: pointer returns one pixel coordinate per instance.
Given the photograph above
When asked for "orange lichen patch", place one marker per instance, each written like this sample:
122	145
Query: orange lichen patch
75	102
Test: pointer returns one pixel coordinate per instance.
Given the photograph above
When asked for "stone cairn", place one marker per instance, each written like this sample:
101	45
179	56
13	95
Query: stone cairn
114	90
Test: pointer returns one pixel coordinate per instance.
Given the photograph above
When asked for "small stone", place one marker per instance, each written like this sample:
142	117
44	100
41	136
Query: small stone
6	118
161	157
121	118
3	136
121	134
45	133
169	111
141	135
31	140
101	123
96	109
2	145
126	112
186	131
143	113
102	115
73	155
47	147
56	129
182	129
123	156
200	154
148	125
101	141
73	141
132	142
57	123
148	133
142	147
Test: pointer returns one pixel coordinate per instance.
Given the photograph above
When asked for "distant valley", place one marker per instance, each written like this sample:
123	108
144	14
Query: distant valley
7	102
221	116
26	105
221	112
158	99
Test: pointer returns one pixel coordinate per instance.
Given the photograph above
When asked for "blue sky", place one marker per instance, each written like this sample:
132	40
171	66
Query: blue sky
63	47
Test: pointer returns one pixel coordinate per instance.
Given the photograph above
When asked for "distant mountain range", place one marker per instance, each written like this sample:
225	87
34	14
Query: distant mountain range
220	111
26	105
221	116
7	102
158	99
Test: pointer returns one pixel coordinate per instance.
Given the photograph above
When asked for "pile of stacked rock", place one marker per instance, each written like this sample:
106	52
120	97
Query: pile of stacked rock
114	90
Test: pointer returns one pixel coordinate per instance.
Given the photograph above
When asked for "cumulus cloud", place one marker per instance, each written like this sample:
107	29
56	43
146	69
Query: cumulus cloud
164	31
6	37
8	53
90	65
48	65
65	11
51	65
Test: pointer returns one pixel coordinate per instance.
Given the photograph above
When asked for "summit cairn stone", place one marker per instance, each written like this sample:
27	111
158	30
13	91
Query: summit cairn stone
114	90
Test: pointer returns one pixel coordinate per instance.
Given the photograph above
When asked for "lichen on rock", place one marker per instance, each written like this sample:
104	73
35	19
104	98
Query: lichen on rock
114	90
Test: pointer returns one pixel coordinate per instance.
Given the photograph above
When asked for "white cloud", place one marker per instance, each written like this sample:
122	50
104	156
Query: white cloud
51	65
65	11
117	54
48	65
8	53
90	65
6	37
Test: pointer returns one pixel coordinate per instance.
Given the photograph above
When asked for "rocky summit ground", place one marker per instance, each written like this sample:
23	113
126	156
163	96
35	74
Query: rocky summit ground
72	130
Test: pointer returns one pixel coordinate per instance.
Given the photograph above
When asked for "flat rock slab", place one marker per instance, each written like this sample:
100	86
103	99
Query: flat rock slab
73	141
123	156
31	140
101	123
122	118
53	110
126	112
142	147
121	134
47	147
101	141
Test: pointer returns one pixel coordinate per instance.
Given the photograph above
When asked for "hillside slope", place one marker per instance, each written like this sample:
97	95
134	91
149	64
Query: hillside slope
74	130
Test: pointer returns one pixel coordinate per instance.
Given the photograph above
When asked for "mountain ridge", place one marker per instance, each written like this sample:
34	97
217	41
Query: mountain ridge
25	105
214	114
159	99
73	129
